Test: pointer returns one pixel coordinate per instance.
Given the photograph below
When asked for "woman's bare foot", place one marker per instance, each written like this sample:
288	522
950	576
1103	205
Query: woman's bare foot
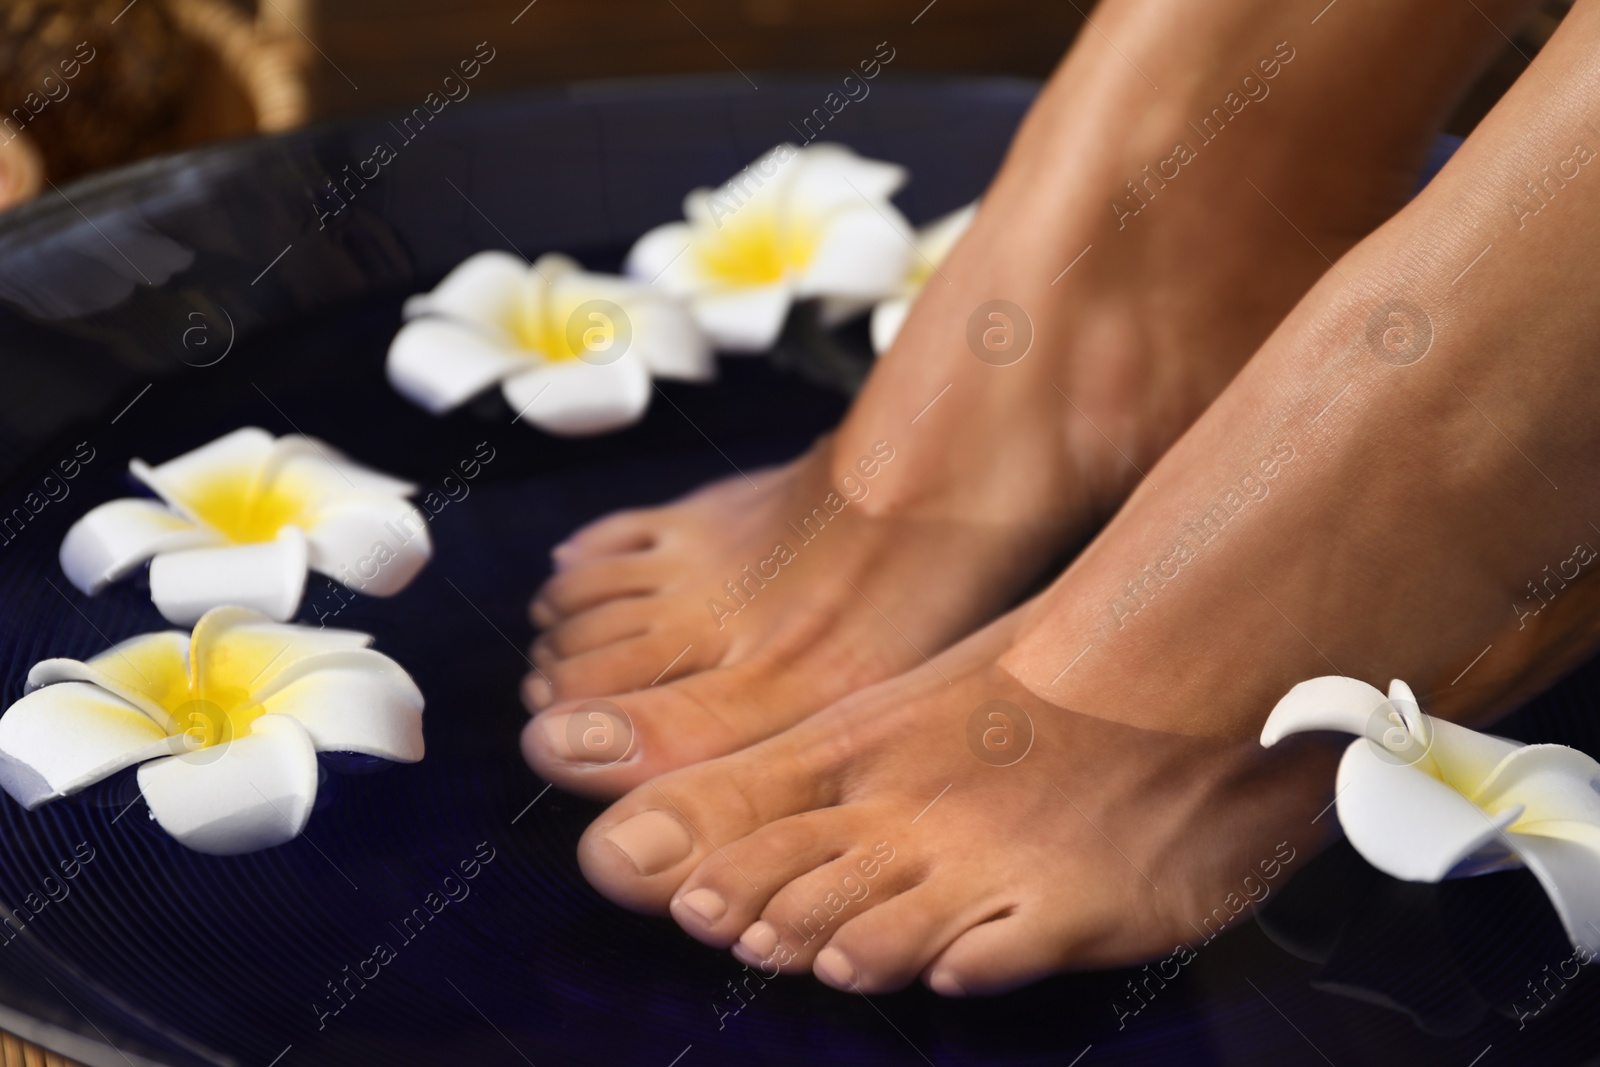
950	824
1371	497
737	611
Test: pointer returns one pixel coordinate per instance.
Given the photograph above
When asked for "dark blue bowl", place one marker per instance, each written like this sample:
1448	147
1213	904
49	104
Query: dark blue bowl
149	310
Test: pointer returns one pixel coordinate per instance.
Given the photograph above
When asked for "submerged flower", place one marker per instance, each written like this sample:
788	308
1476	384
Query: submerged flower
240	520
934	243
796	223
573	352
230	719
1422	799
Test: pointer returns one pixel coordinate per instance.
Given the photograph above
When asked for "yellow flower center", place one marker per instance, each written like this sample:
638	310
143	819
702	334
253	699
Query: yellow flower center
205	720
538	327
244	512
752	247
215	702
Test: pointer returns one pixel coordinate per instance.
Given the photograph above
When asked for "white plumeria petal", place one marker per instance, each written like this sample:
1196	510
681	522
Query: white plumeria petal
178	481
245	650
554	268
1549	782
1405	702
659	330
1569	869
59	739
575	398
887	319
484	287
319	470
250	793
1330	702
828	177
438	364
1404	821
134	670
117	536
763	185
374	545
269	578
1463	758
668	343
661	257
933	242
353	701
865	252
743	320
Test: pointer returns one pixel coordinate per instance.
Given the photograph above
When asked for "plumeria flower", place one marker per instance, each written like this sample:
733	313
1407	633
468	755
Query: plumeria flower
797	223
241	520
934	243
227	722
1423	799
573	352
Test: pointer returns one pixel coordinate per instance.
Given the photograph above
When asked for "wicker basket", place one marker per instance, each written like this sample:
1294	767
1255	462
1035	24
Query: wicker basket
242	73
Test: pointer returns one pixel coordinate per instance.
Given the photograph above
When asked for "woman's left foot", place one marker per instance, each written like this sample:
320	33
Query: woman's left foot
952	825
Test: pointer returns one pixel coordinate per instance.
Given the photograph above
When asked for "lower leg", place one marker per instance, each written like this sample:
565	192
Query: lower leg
995	468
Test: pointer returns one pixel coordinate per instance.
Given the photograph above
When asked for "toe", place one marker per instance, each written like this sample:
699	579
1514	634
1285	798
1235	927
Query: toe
1001	955
886	947
607	624
620	532
537	692
667	726
797	925
583	586
730	890
643	848
636	663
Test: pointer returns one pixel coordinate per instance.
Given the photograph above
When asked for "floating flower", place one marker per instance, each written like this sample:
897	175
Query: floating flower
934	243
1422	799
240	520
573	352
230	719
796	223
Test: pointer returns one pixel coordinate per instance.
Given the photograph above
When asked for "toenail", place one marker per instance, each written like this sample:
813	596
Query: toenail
760	940
652	840
705	903
554	731
944	983
538	692
835	968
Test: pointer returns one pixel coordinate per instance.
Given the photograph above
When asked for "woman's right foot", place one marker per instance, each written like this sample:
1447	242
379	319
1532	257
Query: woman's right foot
730	615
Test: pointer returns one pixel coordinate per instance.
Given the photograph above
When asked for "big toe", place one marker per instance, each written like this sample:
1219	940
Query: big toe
603	747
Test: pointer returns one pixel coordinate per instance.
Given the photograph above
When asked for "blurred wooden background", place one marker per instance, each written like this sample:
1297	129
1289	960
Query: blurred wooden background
178	73
397	50
390	53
